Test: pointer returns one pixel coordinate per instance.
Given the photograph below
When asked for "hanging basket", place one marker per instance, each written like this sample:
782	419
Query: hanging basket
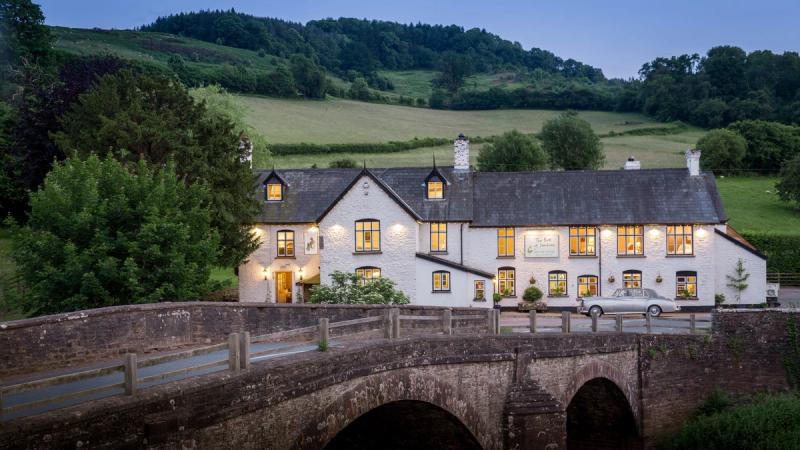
611	278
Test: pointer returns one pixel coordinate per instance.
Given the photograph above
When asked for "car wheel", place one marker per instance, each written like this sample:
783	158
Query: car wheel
654	311
595	310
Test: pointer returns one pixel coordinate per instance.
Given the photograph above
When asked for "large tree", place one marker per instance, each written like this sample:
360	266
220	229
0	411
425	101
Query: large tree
571	143
722	151
100	235
453	70
154	118
789	185
512	152
769	144
308	77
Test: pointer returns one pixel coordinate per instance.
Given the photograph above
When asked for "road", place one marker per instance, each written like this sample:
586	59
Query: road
61	389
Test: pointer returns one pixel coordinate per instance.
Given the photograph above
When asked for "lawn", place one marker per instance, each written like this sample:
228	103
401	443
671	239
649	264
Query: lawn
753	205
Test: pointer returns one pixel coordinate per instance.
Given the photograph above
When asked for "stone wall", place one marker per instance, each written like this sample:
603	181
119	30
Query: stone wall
49	342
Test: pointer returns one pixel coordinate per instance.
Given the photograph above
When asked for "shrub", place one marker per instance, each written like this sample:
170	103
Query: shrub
497	297
348	288
768	422
513	151
344	163
782	250
789	186
571	143
722	151
532	294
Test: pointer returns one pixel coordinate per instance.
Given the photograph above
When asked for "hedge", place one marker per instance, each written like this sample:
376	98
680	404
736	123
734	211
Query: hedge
782	250
375	147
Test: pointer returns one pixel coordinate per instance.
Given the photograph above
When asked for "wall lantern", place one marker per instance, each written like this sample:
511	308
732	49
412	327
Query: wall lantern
266	273
701	233
300	271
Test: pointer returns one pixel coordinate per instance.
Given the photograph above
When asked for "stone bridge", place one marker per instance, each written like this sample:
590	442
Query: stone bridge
479	391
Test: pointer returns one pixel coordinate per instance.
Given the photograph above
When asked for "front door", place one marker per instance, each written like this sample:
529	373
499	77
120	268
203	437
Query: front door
283	287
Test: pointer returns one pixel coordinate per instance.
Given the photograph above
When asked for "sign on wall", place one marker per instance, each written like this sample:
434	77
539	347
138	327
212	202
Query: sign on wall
541	244
311	241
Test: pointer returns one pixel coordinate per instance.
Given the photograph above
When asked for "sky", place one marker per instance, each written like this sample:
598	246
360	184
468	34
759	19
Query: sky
617	36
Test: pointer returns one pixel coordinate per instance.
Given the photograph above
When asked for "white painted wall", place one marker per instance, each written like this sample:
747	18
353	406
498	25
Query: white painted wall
399	236
453	240
252	285
727	254
461	287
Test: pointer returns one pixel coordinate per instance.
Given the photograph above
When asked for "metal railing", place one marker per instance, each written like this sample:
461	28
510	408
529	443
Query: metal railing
238	355
619	320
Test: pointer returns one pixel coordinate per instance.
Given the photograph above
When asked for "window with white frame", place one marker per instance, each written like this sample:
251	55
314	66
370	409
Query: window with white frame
506	281
441	281
368	235
438	237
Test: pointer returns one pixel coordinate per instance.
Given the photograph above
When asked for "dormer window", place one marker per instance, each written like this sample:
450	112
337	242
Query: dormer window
274	192
435	189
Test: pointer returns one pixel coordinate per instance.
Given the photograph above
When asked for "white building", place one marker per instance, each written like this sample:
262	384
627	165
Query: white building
453	236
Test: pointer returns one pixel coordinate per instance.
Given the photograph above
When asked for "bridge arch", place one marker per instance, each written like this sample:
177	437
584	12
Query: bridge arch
599	369
395	392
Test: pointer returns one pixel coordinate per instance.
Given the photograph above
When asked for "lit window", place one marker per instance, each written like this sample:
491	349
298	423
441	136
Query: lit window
680	239
686	284
587	286
480	290
435	189
285	243
368	235
441	281
632	278
505	241
438	237
582	241
506	277
630	240
557	283
367	274
274	192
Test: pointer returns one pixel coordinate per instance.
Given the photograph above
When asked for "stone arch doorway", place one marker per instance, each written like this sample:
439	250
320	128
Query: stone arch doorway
599	416
405	424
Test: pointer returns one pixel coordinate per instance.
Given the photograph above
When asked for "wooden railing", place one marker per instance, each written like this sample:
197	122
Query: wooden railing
688	323
238	355
784	278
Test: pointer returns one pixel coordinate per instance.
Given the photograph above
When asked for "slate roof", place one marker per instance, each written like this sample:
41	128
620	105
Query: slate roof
491	199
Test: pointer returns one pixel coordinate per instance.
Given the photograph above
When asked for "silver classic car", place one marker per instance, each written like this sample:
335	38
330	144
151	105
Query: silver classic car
628	301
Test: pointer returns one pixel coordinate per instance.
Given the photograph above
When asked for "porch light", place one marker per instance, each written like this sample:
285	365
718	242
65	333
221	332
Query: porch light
300	272
266	273
701	232
606	233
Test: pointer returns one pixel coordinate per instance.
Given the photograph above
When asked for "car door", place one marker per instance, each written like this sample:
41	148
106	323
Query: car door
638	303
617	302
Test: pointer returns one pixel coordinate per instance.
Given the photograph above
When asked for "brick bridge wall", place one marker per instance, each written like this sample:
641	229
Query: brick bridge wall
48	342
510	391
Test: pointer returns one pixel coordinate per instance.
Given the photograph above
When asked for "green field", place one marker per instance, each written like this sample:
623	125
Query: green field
417	83
753	205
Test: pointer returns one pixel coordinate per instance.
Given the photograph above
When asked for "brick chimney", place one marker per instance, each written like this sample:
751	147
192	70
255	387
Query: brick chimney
632	164
461	154
693	161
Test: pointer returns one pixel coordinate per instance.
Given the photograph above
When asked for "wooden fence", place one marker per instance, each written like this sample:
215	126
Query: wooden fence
238	355
664	324
784	278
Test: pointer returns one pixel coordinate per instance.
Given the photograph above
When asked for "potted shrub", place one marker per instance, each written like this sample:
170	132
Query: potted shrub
534	296
497	297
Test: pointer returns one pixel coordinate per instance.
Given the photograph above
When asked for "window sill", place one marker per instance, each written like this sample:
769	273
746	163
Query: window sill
437	253
680	256
687	298
558	296
285	257
631	256
583	256
479	300
273	201
507	257
440	292
435	199
510	296
376	252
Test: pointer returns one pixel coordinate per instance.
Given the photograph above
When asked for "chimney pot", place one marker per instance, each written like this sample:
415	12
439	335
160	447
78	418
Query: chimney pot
632	164
693	161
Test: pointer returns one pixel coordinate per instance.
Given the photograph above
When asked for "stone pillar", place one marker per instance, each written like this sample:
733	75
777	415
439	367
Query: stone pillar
533	419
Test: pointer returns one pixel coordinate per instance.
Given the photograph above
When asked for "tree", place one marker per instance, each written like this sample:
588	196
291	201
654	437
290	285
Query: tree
23	34
155	118
722	151
769	144
349	288
571	143
453	69
359	90
738	281
308	77
789	185
99	235
513	151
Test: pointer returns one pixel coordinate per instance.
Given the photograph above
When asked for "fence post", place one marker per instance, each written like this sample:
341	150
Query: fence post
594	321
492	321
447	322
244	350
565	321
496	321
233	352
1	404
619	323
395	323
387	323
532	316
131	378
648	323
324	332
692	324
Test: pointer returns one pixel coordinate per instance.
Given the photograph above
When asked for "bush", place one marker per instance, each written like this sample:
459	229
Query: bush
348	288
571	143
768	422
782	250
722	151
789	186
769	144
99	235
532	294
513	151
344	163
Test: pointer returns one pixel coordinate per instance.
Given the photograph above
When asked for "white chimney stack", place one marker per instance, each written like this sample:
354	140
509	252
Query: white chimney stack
693	161
461	154
632	164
